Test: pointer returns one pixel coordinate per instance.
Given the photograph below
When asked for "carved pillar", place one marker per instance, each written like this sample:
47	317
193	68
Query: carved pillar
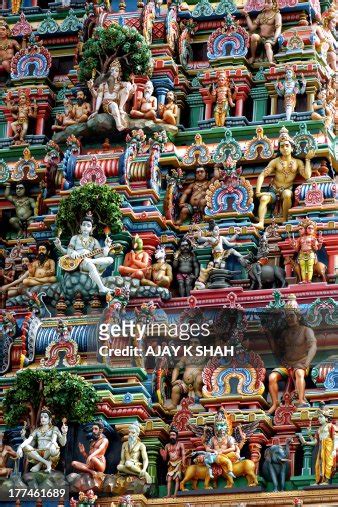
260	99
208	100
241	96
180	98
153	446
310	94
123	239
195	103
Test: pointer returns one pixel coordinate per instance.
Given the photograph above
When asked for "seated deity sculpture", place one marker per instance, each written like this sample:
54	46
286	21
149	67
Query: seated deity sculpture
8	47
189	368
112	95
134	459
169	110
284	170
24	208
295	348
161	271
95	458
39	272
42	446
146	106
193	200
265	30
73	113
87	254
137	262
6	452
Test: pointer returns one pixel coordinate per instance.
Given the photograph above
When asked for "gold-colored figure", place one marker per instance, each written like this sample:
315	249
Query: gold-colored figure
169	111
284	170
224	99
326	42
134	457
307	245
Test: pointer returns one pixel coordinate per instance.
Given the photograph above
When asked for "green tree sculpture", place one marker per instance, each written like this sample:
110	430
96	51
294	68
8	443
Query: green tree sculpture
121	42
103	201
65	394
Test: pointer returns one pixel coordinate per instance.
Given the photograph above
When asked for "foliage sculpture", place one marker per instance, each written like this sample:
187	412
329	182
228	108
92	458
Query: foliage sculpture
65	394
115	42
103	201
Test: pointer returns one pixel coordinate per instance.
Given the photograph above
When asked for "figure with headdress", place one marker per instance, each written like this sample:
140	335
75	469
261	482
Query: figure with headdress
174	453
289	89
224	98
134	458
265	29
42	446
193	201
307	244
113	94
325	466
295	347
284	169
87	250
326	41
21	113
8	47
321	108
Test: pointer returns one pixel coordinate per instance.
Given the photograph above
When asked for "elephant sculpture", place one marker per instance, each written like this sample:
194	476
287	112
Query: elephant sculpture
265	275
197	472
275	466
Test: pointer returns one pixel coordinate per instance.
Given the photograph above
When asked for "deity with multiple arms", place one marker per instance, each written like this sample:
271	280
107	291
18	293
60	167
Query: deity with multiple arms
113	94
41	447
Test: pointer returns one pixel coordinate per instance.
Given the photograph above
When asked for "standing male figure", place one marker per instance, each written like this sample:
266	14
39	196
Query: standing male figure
176	463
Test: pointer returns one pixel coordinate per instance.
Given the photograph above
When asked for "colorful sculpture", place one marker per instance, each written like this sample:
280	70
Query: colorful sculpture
21	113
42	446
84	252
289	90
24	208
74	113
134	458
161	271
191	382
95	458
146	106
307	245
321	109
284	170
112	95
186	267
222	248
174	453
168	112
326	41
192	201
8	47
224	98
268	24
296	349
6	452
137	262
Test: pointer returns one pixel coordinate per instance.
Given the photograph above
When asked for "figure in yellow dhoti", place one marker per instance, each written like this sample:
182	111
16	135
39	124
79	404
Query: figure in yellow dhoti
325	466
307	245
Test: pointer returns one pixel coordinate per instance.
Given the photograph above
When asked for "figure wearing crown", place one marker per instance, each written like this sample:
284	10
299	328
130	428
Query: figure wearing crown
42	446
84	244
307	244
113	94
284	170
224	98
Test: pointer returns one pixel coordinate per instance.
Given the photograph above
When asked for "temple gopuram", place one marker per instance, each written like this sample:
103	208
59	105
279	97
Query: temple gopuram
168	253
